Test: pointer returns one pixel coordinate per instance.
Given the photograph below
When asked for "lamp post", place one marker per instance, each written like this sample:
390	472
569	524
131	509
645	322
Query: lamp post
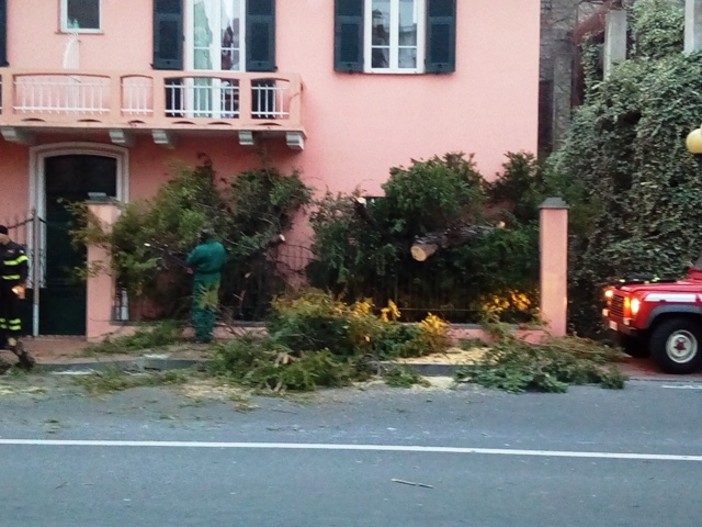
694	144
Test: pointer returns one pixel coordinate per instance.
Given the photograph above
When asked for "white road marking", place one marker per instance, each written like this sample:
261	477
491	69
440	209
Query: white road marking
682	386
371	448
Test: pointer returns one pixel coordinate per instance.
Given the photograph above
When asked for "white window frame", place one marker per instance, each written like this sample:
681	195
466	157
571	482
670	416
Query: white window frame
421	14
217	86
64	20
189	53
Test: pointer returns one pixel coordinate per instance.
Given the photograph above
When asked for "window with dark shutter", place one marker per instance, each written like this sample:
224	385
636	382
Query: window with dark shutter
3	33
348	35
168	35
260	35
441	36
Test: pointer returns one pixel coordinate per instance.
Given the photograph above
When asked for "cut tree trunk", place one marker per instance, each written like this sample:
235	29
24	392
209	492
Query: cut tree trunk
424	246
422	251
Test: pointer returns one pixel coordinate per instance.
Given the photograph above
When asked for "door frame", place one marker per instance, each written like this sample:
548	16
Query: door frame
37	190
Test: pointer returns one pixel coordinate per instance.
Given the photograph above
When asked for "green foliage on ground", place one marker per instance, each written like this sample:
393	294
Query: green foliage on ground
516	366
115	380
313	320
634	190
402	376
261	363
316	340
146	337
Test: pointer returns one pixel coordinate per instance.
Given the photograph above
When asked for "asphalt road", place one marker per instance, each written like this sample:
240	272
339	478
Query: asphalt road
378	457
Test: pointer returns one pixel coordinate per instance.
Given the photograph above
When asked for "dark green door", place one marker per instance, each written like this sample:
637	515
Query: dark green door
67	179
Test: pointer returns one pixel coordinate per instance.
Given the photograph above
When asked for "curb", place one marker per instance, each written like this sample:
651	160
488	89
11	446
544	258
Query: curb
146	363
159	364
450	370
140	364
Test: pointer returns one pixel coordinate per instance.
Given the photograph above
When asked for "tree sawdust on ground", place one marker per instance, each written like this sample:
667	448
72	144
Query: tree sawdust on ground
452	356
7	389
211	389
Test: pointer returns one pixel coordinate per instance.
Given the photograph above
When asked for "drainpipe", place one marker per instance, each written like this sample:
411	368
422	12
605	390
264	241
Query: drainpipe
615	39
36	271
693	26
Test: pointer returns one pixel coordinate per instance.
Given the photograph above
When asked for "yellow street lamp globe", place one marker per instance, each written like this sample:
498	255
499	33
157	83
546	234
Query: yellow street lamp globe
694	142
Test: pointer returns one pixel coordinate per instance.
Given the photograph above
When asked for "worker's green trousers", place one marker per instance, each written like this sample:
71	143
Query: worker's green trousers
205	300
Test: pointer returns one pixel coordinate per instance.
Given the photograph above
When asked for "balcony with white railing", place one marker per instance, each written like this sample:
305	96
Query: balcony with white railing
163	103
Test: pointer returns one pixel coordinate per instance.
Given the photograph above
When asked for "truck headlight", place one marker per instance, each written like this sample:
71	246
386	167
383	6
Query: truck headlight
635	305
608	294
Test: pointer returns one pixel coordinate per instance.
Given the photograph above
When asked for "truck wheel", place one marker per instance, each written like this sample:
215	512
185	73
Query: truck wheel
675	345
633	346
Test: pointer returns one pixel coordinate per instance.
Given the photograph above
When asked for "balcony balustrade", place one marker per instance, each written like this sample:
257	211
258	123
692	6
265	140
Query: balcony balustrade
161	102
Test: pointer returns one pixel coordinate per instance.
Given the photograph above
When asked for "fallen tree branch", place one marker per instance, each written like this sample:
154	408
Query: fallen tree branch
414	484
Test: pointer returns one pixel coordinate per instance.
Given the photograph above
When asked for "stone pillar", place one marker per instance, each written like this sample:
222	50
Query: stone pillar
100	287
553	247
693	26
615	39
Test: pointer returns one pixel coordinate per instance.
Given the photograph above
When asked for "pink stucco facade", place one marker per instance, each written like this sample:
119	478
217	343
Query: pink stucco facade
348	129
357	126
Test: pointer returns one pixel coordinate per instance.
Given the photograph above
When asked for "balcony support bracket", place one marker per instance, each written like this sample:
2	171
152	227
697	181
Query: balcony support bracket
246	138
122	137
17	135
165	138
295	140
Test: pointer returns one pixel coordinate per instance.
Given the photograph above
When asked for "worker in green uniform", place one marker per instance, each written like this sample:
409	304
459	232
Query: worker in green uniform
206	262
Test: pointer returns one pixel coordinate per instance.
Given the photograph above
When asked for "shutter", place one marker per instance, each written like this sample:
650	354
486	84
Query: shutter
168	35
348	35
3	33
441	36
260	35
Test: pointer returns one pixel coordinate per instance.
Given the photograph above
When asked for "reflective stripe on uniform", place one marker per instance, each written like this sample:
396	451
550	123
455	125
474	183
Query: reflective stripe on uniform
10	277
15	324
20	259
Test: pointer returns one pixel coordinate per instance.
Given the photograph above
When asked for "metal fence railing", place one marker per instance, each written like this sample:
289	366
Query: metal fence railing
416	292
248	288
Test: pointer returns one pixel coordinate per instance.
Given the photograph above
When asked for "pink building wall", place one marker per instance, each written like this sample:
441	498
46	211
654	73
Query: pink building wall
357	125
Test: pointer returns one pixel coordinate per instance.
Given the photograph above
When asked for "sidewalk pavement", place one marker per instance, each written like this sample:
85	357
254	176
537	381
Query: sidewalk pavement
69	354
59	353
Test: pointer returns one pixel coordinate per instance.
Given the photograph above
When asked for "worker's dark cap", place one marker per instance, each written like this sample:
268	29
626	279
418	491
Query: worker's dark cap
3	229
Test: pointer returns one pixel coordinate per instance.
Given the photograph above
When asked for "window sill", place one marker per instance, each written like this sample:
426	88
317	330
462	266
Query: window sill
81	32
393	72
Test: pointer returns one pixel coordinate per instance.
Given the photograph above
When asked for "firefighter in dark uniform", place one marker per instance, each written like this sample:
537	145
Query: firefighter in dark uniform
14	266
206	262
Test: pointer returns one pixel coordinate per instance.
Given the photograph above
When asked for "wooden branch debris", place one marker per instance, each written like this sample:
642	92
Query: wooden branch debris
413	483
424	246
